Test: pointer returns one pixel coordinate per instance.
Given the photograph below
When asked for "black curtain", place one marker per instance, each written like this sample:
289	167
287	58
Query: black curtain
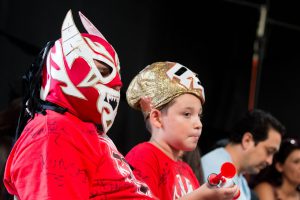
213	38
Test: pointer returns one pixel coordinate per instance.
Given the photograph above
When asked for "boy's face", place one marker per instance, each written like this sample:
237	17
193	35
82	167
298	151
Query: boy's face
181	124
261	155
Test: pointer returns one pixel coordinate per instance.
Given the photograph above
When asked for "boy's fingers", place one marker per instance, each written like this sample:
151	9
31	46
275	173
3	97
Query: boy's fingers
231	190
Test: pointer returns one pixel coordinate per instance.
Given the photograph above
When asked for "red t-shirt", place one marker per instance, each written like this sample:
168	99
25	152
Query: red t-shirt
60	157
167	179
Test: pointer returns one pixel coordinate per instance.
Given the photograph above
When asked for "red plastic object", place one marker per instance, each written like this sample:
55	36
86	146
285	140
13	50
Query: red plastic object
227	170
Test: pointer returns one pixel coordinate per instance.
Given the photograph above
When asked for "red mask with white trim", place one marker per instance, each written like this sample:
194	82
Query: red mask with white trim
73	79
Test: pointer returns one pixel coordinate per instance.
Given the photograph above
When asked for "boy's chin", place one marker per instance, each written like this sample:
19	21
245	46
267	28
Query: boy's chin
191	147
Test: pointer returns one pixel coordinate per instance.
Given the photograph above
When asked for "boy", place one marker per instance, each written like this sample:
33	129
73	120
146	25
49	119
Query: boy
170	97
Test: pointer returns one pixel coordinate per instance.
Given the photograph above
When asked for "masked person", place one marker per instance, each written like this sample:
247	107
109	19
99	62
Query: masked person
71	102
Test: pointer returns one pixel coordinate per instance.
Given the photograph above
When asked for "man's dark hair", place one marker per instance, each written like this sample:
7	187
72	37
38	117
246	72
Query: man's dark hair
258	123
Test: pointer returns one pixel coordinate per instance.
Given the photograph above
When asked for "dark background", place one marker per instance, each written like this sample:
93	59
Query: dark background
213	38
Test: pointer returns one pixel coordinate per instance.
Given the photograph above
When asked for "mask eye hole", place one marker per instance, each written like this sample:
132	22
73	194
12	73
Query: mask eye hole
103	68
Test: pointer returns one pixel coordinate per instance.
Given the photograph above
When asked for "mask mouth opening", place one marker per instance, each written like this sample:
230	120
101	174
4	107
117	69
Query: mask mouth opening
111	100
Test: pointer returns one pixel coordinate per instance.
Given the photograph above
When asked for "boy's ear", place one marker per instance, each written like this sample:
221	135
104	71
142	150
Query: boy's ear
155	118
247	141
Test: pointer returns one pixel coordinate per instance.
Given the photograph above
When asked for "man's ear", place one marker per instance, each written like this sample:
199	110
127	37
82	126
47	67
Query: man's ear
247	141
155	118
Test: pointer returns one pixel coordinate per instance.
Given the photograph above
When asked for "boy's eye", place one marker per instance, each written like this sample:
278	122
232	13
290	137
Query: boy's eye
187	114
200	115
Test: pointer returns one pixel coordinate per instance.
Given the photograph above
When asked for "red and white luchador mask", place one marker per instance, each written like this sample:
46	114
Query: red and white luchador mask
73	79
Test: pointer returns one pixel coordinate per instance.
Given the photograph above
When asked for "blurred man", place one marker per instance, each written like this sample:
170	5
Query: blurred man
254	140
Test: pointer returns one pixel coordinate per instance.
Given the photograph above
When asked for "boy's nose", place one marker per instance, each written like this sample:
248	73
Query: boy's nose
198	124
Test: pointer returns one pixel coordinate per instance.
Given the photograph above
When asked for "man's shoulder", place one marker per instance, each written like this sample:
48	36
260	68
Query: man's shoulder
213	160
218	152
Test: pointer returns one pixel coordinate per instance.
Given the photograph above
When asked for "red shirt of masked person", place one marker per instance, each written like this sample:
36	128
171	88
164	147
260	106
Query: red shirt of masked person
61	154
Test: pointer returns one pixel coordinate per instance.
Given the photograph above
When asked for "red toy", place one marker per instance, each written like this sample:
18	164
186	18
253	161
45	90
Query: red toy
224	178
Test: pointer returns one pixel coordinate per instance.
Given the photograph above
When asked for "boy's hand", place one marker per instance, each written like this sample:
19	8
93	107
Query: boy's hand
207	192
222	193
